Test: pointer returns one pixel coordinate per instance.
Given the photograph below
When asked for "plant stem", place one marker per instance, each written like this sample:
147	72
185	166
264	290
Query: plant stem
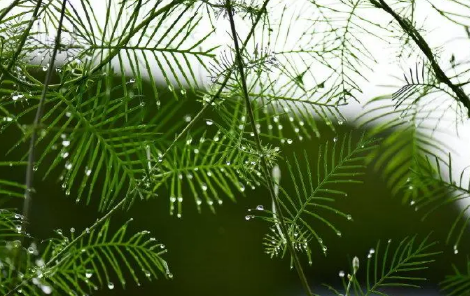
8	9
222	85
264	163
122	202
409	29
35	126
37	119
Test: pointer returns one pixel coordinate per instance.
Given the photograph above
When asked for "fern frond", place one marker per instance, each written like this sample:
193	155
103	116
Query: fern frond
407	138
10	188
88	135
419	81
160	44
99	257
457	283
224	163
10	225
399	267
340	162
441	188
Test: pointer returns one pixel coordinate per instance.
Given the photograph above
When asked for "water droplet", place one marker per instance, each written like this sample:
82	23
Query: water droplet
412	202
18	228
132	80
44	68
389	241
338	233
349	217
341	274
88	273
188	141
242	187
172	199
371	251
187	118
248	217
204	186
260	207
68	114
147	273
72	230
289	141
335	139
170	275
31	250
110	285
46	289
209	122
170	87
355	264
87	171
68	165
65	143
456	251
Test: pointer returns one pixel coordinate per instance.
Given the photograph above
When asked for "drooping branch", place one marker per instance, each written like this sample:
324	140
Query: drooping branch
264	164
409	29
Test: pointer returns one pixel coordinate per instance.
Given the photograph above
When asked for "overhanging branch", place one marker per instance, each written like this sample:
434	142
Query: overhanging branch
409	29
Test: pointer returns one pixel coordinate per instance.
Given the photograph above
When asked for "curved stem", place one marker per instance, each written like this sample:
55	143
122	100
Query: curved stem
409	29
32	143
265	165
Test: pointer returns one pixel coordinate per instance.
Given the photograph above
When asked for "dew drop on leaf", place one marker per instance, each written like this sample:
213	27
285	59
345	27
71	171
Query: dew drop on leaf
110	285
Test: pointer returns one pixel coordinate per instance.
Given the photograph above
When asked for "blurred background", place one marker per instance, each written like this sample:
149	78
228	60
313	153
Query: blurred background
222	253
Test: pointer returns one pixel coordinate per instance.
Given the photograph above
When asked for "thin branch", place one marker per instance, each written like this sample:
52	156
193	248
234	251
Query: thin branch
8	9
265	166
409	29
54	259
36	123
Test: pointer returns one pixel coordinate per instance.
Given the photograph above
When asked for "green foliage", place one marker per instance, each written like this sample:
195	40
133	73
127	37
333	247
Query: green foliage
443	188
457	283
392	267
338	163
114	142
85	262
